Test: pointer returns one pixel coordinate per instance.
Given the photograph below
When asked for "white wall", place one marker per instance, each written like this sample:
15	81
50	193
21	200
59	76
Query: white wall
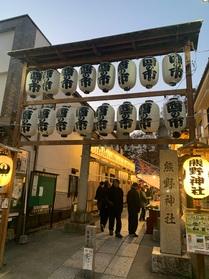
6	42
3	79
59	159
40	40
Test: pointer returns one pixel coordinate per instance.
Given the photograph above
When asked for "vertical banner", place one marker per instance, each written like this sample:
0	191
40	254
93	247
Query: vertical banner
170	230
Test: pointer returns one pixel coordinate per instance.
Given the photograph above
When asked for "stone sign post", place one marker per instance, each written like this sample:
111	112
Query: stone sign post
89	251
170	230
168	258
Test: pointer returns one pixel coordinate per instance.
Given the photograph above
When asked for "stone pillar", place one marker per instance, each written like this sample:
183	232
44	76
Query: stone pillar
170	227
168	258
80	217
83	182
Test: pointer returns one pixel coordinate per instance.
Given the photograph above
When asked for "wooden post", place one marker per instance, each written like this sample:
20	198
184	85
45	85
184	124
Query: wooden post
5	212
200	261
190	99
15	136
200	266
16	133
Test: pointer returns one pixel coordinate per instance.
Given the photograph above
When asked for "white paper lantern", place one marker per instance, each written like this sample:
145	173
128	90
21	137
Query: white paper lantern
65	120
46	120
68	80
84	120
149	72
126	118
172	68
196	179
104	119
174	113
127	74
50	84
33	86
87	78
29	123
106	76
149	117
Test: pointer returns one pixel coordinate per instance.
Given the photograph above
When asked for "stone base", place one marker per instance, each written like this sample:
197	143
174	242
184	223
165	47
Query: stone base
78	222
171	264
156	235
23	239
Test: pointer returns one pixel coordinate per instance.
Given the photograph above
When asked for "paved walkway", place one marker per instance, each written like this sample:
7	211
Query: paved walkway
53	254
113	258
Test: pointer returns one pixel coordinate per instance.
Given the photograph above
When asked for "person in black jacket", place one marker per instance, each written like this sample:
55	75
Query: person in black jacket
115	195
103	203
133	202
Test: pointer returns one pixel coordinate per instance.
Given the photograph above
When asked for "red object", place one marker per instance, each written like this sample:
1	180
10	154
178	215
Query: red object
152	220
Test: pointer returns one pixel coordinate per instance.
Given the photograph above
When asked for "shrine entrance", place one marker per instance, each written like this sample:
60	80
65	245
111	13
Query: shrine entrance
154	42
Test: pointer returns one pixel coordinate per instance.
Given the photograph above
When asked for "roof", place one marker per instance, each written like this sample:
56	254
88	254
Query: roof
13	21
156	41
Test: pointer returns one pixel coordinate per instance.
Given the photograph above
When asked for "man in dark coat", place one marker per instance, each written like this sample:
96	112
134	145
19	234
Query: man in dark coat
115	195
102	203
133	202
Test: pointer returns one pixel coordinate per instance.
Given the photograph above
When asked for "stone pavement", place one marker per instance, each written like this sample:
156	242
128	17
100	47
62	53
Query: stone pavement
54	254
113	258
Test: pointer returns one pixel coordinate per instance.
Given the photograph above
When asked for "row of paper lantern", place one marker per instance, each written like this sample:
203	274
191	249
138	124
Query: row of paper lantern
50	81
84	120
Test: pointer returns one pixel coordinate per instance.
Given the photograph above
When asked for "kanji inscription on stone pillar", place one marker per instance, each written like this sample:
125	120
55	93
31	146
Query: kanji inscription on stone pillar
170	230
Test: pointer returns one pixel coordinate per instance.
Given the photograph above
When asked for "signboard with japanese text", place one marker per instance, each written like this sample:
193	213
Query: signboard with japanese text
88	256
22	161
196	177
90	236
170	232
197	232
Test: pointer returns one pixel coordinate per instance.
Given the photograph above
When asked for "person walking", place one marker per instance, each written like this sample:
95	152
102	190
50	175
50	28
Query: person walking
102	203
115	195
133	202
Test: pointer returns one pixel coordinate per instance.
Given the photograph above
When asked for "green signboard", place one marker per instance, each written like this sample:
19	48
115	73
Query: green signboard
42	189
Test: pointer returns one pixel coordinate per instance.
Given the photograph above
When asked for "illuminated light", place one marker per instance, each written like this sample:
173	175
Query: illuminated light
113	157
6	167
196	177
